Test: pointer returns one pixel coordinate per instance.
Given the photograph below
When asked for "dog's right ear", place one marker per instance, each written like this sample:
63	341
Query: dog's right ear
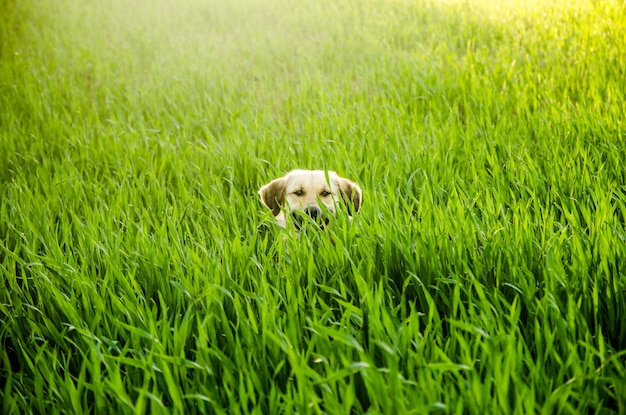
273	195
351	194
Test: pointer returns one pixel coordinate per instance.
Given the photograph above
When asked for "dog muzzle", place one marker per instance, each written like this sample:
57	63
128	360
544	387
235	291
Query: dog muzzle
309	213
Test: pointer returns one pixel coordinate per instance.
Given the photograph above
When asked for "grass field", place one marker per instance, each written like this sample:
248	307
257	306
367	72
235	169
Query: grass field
485	273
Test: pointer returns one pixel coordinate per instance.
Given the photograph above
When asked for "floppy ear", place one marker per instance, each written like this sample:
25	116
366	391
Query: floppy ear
351	195
273	195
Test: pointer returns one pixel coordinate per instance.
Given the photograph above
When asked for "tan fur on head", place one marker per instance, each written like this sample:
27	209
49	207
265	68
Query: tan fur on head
306	190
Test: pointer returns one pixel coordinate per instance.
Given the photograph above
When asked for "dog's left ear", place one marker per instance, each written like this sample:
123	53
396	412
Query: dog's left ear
351	195
273	195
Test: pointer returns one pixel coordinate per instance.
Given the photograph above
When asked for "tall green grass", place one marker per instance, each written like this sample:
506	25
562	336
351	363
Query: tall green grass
484	274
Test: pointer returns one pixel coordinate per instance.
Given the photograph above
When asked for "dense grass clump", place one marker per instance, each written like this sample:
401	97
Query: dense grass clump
485	272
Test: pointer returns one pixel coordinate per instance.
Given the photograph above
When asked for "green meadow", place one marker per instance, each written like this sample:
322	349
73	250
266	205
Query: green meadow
485	272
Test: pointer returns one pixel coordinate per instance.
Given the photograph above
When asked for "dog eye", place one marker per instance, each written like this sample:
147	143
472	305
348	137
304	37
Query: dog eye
325	193
298	192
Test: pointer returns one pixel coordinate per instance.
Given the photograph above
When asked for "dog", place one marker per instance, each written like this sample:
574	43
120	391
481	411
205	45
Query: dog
313	194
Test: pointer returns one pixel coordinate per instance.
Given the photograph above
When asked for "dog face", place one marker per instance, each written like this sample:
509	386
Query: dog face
309	192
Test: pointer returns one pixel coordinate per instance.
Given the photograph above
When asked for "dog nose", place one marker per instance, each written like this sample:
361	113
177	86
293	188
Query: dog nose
313	211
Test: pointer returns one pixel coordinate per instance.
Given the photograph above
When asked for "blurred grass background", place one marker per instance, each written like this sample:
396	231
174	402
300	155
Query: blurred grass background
140	272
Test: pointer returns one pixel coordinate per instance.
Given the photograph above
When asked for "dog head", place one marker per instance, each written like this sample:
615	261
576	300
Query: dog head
312	193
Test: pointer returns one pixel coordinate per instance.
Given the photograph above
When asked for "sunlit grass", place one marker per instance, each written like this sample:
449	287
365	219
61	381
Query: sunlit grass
141	273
